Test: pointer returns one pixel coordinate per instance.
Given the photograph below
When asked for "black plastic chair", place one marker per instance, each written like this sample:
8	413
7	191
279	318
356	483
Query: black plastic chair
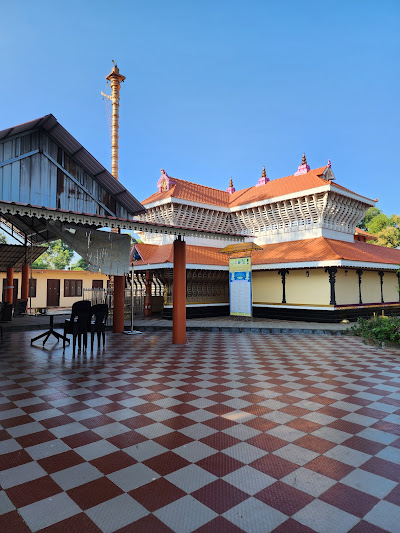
98	325
78	324
20	307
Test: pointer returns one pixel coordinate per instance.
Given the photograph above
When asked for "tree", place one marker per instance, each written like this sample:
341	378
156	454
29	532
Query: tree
80	265
369	215
57	257
3	239
385	228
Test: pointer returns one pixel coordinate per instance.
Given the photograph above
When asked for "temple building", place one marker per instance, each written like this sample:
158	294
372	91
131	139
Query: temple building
315	264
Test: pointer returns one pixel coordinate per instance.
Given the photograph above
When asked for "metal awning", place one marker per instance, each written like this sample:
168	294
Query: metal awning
13	256
36	220
70	145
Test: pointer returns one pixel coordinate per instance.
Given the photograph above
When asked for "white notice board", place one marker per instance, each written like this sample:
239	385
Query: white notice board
240	293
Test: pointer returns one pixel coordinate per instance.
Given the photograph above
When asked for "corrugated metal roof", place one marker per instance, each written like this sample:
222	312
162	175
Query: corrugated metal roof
68	143
13	256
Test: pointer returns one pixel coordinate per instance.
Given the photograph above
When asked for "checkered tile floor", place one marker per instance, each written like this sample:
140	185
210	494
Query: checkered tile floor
232	432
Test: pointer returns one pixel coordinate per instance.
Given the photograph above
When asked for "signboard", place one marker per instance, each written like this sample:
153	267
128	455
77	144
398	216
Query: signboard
240	294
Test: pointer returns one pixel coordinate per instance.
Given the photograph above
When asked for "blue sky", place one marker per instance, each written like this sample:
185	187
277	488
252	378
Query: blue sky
215	89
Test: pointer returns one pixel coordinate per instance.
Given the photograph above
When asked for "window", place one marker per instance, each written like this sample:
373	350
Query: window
97	284
72	287
32	288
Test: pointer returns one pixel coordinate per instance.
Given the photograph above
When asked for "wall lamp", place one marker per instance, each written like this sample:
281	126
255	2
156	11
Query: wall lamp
307	274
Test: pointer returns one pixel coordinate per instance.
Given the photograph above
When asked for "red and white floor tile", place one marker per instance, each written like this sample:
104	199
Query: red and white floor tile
232	432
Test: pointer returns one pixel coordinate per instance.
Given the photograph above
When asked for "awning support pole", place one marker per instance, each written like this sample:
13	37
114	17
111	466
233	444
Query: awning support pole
119	304
179	293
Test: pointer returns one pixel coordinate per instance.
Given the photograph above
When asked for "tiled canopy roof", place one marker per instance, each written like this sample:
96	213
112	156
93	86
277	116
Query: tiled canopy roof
199	255
309	250
193	192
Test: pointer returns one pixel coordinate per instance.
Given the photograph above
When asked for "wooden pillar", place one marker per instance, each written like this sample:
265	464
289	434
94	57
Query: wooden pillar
381	274
10	284
179	293
359	274
332	280
398	282
283	274
147	298
119	304
25	282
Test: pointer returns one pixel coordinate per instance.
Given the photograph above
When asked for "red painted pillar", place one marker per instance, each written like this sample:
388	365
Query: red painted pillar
25	282
119	304
147	298
10	283
179	293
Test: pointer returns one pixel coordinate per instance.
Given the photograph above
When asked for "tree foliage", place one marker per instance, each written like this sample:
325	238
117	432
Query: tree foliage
3	239
80	265
385	228
57	257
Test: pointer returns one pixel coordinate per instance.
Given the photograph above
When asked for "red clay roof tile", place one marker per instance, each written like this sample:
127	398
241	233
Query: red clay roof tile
309	250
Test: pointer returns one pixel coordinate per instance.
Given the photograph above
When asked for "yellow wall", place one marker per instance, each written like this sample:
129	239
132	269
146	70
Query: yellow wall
300	289
312	290
267	287
346	287
371	287
42	276
390	287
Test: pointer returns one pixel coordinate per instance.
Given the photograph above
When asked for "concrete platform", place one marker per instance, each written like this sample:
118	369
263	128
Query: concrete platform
223	324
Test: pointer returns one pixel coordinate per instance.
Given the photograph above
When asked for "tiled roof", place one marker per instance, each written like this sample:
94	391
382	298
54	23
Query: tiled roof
279	187
309	250
193	192
322	249
198	255
360	231
186	190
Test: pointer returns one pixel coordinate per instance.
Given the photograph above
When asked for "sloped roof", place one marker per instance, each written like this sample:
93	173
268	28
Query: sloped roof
322	249
308	250
193	192
370	237
70	145
186	190
198	255
13	256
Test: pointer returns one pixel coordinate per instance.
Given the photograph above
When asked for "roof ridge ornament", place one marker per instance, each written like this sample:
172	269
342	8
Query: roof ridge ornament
328	174
231	189
264	178
304	167
165	182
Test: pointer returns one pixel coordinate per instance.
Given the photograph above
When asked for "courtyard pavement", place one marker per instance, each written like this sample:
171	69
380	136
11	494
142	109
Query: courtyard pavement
228	433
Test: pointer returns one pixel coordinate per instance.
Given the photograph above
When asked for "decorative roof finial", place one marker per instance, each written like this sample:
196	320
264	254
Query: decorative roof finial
329	163
303	168
264	179
231	189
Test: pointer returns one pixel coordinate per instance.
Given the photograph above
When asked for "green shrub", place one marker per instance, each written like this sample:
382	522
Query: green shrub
378	329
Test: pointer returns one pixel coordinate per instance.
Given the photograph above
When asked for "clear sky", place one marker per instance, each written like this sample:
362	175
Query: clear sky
215	88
